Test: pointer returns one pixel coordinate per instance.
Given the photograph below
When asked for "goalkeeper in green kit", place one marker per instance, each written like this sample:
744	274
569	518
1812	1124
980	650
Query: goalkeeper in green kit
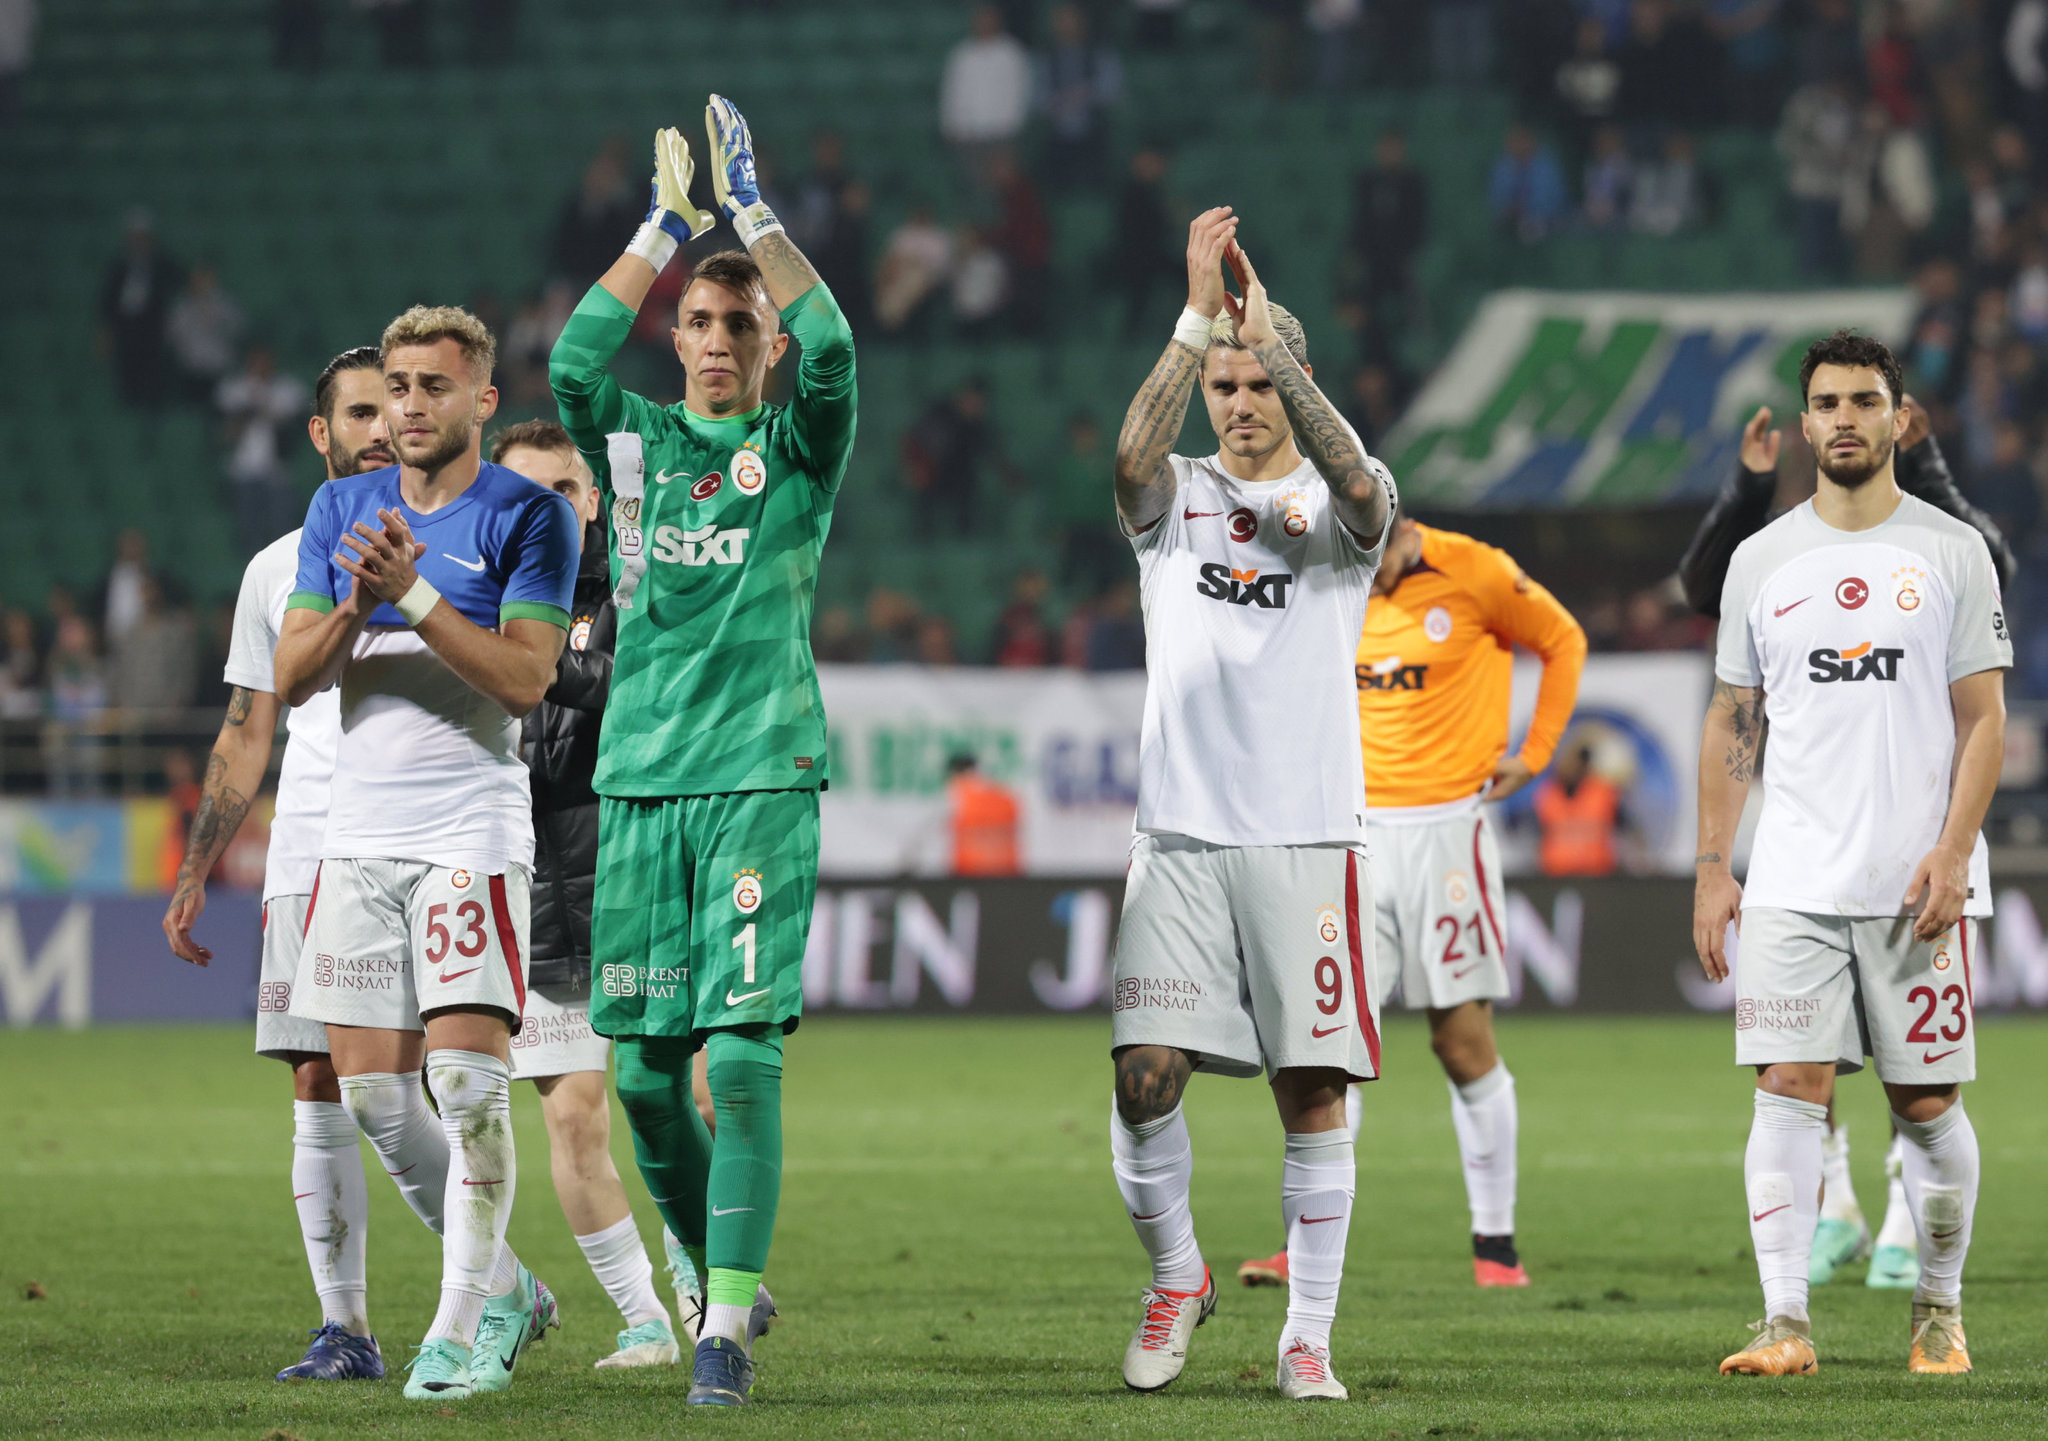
713	748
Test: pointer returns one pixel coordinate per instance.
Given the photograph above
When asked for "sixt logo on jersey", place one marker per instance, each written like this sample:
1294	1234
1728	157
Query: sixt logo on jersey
708	546
1863	662
1390	674
1245	587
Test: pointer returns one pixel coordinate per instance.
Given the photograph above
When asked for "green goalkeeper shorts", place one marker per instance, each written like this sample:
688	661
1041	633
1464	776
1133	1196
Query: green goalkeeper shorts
702	909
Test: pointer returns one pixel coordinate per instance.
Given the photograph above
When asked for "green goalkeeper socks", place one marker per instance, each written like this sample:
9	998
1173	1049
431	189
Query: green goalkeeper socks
670	1140
746	1158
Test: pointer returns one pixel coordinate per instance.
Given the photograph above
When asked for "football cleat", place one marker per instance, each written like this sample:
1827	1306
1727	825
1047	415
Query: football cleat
440	1372
1159	1347
511	1322
1894	1268
682	1274
1783	1347
721	1374
1305	1374
1938	1345
1272	1271
651	1343
1836	1244
1495	1263
337	1355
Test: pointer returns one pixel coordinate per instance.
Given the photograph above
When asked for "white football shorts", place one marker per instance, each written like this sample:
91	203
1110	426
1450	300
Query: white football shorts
1249	958
1439	907
1839	988
392	941
557	1039
279	1033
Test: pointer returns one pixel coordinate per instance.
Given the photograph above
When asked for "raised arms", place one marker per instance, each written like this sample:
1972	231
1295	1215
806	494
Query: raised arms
1729	744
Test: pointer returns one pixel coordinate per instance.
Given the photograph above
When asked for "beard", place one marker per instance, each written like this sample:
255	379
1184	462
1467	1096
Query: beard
374	456
444	447
1856	470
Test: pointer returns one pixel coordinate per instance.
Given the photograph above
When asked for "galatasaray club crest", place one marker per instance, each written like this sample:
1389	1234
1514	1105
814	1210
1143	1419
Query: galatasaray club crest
1327	926
1906	584
1437	624
460	880
749	471
1457	887
746	892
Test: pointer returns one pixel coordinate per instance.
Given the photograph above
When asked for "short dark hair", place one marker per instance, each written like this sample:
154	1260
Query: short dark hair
733	269
535	434
1847	347
362	357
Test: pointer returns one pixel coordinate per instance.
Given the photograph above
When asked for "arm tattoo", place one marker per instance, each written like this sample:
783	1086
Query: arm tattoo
238	706
1744	706
1360	500
783	266
221	808
1144	481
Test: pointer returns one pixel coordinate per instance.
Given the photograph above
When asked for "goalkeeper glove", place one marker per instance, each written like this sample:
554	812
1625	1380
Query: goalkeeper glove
671	219
733	178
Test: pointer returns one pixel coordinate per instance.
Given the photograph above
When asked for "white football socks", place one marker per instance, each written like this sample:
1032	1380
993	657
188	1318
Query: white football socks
1898	1229
334	1210
1154	1165
475	1092
1782	1170
1838	1201
407	1136
1318	1178
1941	1171
1486	1118
618	1259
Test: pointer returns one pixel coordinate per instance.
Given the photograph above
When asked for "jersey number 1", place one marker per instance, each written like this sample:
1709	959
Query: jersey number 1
745	941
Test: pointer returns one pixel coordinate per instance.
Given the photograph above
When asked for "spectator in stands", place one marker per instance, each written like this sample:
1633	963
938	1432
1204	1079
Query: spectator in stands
256	407
915	262
298	34
1156	23
981	284
1588	86
830	217
1389	222
135	298
1888	193
2006	487
1021	636
1672	193
1609	181
1091	553
945	452
1815	137
2026	61
204	329
121	599
1526	191
155	665
836	636
892	627
1142	253
595	223
21	667
530	339
403	40
1579	812
985	91
935	640
1116	632
1023	234
982	816
1080	79
17	48
77	695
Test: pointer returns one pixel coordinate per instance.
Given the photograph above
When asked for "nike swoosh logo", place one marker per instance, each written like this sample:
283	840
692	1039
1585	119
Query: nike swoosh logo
732	1000
401	1173
730	1210
1772	1212
467	1182
457	975
1153	1217
1317	1220
303	1194
475	565
1198	514
1944	1235
1794	606
662	477
1460	975
1928	1058
1321	1031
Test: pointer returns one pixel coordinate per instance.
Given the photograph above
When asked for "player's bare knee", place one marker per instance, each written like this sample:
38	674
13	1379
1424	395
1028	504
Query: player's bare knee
1813	1083
1150	1081
1921	1104
1310	1098
313	1077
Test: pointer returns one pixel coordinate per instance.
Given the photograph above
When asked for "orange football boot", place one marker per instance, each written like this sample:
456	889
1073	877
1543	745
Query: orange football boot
1938	1345
1492	1273
1272	1271
1783	1347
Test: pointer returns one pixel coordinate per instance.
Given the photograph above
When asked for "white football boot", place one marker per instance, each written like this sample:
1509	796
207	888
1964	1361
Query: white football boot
1305	1374
1159	1348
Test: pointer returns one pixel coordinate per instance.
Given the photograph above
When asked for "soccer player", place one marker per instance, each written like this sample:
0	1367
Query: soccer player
1246	942
713	749
1863	629
1738	512
347	428
555	1048
1434	665
415	945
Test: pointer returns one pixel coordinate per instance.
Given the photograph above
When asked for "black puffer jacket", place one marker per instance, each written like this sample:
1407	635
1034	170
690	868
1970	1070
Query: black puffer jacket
559	743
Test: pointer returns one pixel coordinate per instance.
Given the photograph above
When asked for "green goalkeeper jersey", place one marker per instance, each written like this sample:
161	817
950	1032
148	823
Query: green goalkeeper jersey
716	531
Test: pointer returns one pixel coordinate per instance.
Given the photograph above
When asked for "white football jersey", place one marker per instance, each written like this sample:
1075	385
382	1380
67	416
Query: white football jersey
1855	637
314	729
1254	596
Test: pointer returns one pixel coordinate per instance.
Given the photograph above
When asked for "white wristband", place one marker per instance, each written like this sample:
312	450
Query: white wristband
1192	329
754	221
654	245
415	603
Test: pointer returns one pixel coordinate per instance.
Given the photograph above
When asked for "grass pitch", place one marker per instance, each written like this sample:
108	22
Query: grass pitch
952	1258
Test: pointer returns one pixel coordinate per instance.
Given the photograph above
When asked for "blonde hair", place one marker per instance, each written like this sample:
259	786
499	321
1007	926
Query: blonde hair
425	324
1223	332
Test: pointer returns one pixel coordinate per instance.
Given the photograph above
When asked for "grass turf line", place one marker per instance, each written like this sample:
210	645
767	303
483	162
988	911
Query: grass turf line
952	1257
